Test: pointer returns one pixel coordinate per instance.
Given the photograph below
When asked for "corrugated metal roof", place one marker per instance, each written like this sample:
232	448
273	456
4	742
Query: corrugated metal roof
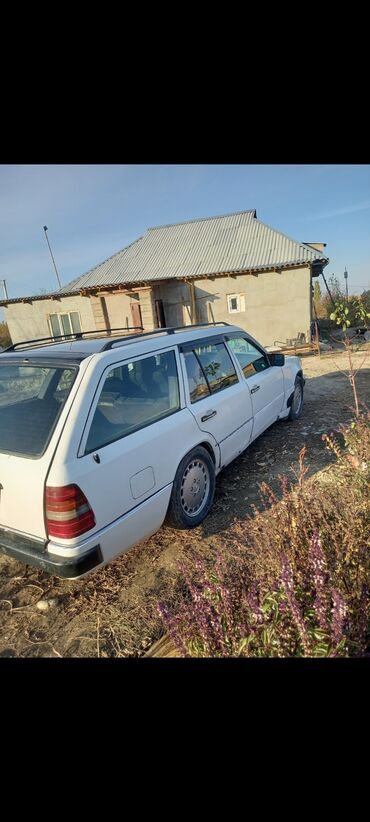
230	243
233	242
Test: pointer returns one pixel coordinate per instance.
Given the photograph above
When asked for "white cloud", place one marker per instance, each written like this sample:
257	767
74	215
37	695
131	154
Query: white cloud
337	212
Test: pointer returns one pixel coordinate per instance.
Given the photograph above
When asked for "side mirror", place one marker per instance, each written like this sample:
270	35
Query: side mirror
277	359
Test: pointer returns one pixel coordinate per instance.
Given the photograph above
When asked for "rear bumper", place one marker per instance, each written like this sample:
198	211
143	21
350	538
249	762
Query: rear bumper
33	552
72	561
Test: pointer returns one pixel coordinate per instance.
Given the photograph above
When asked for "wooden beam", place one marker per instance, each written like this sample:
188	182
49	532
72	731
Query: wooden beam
193	302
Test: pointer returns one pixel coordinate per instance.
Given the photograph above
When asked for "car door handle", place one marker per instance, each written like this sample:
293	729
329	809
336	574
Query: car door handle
255	388
208	416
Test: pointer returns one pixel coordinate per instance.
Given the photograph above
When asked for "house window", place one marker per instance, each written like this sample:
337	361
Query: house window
63	324
235	303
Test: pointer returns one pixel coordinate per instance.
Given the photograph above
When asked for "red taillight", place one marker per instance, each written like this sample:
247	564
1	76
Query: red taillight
68	513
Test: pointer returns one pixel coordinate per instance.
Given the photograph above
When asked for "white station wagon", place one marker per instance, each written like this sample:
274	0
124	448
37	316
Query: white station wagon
102	439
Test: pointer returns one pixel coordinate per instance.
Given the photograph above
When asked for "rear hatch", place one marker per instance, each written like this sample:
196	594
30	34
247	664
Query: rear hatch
32	397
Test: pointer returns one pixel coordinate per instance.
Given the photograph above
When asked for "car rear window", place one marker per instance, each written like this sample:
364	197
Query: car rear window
31	399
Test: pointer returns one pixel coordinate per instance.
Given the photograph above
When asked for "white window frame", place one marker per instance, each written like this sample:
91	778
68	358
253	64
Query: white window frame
240	301
59	315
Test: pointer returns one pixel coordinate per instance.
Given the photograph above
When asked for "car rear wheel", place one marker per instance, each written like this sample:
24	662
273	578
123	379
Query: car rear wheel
193	490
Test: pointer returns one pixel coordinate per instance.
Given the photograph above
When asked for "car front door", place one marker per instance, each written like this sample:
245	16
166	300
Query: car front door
264	381
218	399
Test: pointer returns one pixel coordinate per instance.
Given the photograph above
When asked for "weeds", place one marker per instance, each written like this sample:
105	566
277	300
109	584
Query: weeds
294	581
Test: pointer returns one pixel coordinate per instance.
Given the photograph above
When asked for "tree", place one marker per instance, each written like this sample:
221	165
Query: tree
319	301
317	291
352	313
336	289
362	312
337	296
5	338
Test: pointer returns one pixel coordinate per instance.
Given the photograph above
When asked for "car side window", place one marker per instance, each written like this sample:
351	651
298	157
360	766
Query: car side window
133	396
210	369
252	360
198	386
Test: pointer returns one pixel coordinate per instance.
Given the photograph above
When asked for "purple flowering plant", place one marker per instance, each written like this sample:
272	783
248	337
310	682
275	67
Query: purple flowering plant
293	580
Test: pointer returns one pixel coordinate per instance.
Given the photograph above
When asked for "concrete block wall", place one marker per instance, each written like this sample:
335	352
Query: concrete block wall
277	305
28	321
118	309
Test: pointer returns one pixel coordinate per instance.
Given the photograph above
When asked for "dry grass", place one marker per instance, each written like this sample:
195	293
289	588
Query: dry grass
295	580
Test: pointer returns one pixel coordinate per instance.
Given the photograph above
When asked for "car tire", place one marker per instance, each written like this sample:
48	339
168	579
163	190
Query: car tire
193	490
297	400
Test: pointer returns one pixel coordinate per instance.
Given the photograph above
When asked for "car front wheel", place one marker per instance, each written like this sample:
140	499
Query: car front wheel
297	400
193	490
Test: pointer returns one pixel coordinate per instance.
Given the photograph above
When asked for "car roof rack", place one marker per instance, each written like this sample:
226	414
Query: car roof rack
77	335
167	330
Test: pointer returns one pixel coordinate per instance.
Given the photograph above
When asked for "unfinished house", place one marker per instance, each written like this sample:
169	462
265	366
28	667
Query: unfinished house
233	268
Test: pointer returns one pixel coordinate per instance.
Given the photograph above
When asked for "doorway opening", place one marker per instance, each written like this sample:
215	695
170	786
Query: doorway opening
159	313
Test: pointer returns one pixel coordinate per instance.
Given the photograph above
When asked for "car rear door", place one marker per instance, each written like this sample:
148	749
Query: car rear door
218	399
136	434
264	381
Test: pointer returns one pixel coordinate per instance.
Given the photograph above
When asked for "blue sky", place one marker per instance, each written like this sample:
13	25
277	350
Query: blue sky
92	211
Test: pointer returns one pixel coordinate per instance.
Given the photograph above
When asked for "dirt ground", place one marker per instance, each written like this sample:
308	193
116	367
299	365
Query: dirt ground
113	612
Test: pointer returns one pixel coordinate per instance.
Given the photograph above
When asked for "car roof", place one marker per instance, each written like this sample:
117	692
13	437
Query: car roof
132	345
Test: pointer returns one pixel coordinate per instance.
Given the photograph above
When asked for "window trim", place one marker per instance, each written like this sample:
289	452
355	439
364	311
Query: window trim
59	314
240	295
189	346
197	344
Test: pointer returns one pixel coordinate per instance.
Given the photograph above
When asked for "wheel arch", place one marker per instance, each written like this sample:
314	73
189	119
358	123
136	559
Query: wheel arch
208	448
290	398
177	516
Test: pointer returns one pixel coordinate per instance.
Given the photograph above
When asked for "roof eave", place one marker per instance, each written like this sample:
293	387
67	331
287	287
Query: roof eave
88	291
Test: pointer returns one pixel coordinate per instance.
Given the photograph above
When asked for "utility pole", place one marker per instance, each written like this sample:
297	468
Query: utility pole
5	288
47	240
345	275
